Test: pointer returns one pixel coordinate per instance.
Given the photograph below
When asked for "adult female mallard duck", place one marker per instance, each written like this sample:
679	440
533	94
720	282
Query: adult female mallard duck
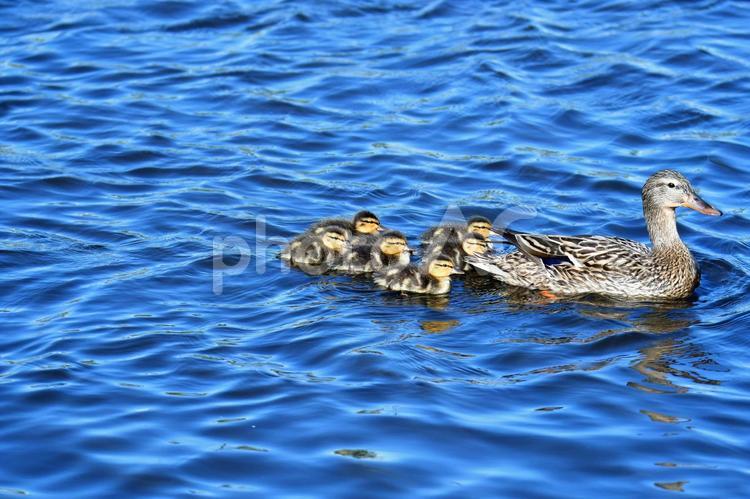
570	265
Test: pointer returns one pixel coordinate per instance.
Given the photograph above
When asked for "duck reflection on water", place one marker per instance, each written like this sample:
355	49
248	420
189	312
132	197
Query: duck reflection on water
663	326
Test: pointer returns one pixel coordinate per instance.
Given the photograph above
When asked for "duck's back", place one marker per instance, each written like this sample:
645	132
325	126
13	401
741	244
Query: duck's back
571	265
398	279
341	223
441	234
450	248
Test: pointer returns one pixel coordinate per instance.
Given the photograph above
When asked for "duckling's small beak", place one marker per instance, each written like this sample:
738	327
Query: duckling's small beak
457	272
411	251
496	232
380	228
698	204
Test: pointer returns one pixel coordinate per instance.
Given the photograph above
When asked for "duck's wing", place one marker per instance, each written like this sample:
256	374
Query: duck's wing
579	251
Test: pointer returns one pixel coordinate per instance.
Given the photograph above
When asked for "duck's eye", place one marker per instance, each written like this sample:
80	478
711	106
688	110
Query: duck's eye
671	185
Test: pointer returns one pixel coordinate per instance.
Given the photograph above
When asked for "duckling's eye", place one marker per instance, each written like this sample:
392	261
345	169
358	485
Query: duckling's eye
671	185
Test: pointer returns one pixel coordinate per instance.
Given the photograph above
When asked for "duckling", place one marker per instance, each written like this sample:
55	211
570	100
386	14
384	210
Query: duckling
444	233
363	227
329	249
457	249
390	250
433	277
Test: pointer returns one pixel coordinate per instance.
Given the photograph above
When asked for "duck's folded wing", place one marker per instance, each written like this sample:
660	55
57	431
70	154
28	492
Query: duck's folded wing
580	251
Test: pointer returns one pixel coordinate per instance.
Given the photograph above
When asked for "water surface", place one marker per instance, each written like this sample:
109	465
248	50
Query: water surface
136	136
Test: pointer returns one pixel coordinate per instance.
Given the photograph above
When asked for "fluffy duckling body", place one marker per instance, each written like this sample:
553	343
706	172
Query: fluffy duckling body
432	278
457	249
390	250
330	248
442	234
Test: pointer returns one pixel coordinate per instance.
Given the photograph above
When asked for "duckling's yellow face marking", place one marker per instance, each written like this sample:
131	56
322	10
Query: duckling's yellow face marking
392	246
481	228
440	268
334	241
474	246
367	225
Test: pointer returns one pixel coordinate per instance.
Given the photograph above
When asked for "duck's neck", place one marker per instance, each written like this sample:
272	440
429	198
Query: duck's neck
662	229
670	255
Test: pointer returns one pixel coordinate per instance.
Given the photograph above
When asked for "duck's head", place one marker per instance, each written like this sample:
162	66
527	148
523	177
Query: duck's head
474	244
480	225
335	239
365	222
393	243
441	267
670	189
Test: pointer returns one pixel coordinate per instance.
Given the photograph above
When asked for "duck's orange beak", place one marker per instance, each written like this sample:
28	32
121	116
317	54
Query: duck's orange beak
698	204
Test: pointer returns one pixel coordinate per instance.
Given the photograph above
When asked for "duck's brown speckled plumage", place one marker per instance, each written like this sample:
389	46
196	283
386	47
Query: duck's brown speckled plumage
569	265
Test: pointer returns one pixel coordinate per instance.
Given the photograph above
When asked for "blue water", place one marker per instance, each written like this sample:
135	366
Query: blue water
138	139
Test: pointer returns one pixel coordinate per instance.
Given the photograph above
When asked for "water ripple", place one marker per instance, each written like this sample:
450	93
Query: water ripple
137	137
